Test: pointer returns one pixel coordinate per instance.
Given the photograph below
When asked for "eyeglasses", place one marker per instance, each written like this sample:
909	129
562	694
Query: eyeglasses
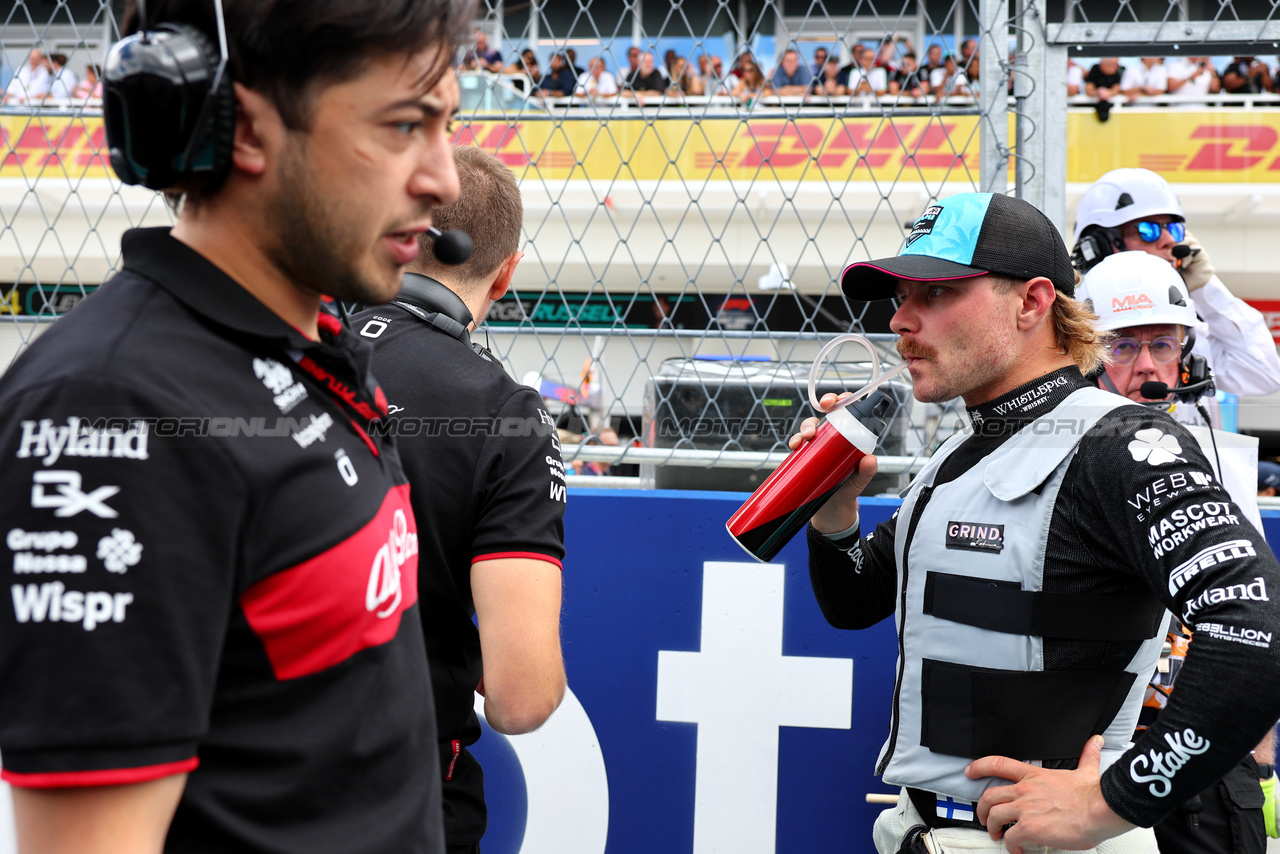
1163	349
1150	231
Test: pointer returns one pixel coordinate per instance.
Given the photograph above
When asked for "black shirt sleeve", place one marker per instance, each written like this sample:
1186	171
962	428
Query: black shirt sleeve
1163	508
121	543
855	579
520	481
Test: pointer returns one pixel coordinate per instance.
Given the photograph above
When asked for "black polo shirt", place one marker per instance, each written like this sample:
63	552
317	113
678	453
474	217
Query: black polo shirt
213	569
487	482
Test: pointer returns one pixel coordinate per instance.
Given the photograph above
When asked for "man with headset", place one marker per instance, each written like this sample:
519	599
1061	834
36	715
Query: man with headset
1136	210
214	643
487	485
1032	560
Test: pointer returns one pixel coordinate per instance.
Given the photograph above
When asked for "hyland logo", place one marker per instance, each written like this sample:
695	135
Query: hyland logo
1256	591
280	382
384	576
53	602
1212	556
924	225
975	536
67	498
79	438
314	432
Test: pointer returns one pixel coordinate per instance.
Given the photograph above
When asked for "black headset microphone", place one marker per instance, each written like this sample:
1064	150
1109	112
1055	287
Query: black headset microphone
452	247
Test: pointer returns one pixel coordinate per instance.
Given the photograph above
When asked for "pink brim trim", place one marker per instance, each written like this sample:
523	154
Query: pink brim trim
912	278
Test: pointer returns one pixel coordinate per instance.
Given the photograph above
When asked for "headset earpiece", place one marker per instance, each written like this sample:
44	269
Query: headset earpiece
1096	242
160	130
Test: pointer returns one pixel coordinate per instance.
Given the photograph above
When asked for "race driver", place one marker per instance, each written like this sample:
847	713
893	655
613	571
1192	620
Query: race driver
214	641
1032	560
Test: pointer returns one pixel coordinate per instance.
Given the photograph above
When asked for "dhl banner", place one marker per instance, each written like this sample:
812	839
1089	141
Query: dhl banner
1222	146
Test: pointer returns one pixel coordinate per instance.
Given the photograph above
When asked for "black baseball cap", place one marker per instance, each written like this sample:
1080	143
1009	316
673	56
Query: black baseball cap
965	235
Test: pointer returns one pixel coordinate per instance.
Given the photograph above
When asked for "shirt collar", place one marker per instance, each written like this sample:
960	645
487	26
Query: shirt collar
1011	411
200	285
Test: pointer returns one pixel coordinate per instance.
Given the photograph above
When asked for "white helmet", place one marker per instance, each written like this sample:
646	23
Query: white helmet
1123	195
1136	289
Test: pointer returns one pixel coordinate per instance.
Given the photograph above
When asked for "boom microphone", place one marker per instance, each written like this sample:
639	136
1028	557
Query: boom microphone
1159	391
452	247
1181	251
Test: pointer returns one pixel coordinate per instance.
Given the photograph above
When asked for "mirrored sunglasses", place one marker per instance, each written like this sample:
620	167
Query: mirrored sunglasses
1150	231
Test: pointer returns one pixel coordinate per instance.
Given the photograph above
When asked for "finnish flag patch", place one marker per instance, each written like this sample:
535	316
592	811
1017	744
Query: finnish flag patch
954	810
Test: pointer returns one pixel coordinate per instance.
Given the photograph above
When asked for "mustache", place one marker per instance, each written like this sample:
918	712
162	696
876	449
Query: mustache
907	347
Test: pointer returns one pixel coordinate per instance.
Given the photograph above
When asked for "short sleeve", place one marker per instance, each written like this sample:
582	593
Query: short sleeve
520	476
120	524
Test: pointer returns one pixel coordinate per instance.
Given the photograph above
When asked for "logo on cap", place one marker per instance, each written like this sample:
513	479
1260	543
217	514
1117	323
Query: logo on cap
924	225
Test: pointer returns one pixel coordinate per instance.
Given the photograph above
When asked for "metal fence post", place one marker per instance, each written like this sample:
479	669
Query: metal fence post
993	124
1040	86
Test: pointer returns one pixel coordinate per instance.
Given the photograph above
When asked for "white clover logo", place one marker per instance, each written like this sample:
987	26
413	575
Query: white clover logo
1155	447
119	551
274	375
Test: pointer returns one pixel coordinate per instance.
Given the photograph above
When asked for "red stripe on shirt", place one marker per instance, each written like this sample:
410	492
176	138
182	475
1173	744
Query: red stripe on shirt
346	599
106	777
529	555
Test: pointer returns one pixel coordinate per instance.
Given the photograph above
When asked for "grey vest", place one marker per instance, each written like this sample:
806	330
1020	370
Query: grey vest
972	621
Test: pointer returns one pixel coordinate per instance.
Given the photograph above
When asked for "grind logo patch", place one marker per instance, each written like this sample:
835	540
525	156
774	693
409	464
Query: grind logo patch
975	536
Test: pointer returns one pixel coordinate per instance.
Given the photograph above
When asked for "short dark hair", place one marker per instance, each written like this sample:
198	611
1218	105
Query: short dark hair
285	48
489	209
288	49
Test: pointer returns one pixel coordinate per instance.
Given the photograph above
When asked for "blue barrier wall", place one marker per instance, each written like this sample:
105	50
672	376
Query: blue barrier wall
667	622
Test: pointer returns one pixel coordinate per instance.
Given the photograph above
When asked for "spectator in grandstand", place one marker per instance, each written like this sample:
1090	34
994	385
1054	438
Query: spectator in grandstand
1136	209
525	64
571	57
668	62
828	82
596	83
1075	78
31	80
1103	82
559	80
933	60
1149	77
62	80
887	57
909	80
863	78
645	80
715	81
968	56
633	64
1191	76
819	60
791	77
490	536
481	57
752	84
949	81
1245	75
90	86
685	80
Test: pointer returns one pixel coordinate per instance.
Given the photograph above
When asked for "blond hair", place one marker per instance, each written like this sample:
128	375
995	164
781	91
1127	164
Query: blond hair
1075	327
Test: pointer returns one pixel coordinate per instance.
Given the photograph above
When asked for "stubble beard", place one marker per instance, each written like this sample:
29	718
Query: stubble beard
311	247
975	362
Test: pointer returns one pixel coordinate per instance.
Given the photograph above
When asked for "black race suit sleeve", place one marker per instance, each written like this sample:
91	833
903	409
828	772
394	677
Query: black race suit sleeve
121	555
1158	502
854	579
520	480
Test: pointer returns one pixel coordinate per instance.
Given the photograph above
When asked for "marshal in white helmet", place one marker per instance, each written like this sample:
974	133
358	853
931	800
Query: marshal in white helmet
1127	209
1145	304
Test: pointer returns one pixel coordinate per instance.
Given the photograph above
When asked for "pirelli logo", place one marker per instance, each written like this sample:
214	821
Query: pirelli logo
975	536
1207	558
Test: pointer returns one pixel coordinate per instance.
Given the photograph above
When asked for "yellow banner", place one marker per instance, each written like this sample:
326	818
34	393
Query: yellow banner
1220	146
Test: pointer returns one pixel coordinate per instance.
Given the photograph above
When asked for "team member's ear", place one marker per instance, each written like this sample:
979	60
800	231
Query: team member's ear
508	269
257	122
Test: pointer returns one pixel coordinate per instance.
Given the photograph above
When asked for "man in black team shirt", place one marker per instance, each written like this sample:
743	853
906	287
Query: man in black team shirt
487	486
214	641
1031	562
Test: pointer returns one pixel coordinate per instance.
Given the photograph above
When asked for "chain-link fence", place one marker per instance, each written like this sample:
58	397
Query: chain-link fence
688	208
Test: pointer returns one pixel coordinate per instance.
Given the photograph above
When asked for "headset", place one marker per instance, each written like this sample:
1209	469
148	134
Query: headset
169	104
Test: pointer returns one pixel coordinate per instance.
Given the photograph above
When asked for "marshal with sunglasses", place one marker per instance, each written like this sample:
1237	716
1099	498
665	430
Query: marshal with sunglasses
1097	242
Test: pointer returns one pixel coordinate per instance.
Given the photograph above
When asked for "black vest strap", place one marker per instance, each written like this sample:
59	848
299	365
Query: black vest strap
975	711
1003	607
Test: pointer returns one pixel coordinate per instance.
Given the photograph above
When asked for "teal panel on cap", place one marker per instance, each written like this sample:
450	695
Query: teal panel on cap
949	229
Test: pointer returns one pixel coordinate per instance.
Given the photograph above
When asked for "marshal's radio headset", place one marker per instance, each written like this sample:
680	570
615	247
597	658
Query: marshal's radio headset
169	104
